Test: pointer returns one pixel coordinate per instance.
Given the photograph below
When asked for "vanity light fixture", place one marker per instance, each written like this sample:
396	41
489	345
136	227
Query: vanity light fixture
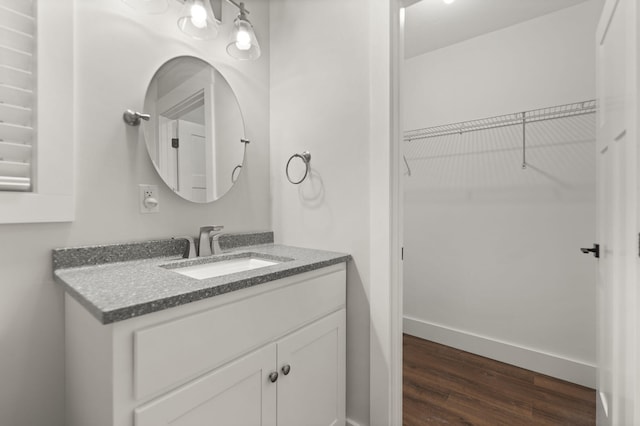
199	20
448	1
243	43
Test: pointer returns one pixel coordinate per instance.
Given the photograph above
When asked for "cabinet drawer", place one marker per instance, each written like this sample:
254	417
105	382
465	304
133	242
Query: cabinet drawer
170	353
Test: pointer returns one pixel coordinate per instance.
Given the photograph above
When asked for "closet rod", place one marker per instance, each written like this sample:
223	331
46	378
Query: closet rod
514	119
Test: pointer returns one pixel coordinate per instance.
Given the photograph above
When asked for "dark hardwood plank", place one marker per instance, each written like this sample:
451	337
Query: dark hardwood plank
444	385
569	390
501	395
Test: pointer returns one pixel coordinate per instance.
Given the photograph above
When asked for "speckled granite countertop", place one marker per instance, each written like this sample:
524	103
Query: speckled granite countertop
119	290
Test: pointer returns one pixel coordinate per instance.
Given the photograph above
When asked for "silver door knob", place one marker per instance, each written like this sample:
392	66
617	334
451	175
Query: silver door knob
273	377
285	369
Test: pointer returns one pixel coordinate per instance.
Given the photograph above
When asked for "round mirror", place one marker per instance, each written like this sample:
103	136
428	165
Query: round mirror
195	136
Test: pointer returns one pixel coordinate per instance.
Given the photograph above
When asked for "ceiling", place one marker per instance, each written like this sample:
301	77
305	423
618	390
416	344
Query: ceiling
432	24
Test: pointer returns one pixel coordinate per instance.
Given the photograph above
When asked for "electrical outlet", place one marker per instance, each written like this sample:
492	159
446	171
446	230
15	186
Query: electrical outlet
149	202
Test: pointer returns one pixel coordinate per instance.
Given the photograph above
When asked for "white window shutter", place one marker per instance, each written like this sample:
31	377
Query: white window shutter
17	94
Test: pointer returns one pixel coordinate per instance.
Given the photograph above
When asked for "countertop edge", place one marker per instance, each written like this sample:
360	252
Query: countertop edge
76	285
90	307
110	317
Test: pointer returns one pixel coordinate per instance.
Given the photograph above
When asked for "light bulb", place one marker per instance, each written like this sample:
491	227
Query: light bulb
197	20
198	15
448	1
243	40
243	43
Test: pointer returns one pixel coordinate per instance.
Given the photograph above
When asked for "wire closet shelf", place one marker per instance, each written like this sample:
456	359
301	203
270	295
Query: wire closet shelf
513	119
508	120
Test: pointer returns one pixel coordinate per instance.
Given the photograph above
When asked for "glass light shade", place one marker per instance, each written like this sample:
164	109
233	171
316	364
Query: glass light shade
243	43
197	20
149	6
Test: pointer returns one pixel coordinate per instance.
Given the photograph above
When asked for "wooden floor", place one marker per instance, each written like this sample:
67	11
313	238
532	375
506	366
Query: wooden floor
443	385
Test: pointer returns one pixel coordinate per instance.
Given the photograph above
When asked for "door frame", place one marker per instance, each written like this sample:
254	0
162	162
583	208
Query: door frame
386	311
386	207
618	345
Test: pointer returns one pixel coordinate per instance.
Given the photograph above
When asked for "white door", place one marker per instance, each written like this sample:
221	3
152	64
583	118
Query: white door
192	161
237	394
617	214
311	364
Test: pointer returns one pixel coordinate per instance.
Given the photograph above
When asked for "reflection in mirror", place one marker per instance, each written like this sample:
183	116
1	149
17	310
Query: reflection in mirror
195	136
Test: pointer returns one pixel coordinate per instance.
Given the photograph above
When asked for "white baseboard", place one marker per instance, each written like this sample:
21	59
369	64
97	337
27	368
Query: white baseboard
541	362
352	423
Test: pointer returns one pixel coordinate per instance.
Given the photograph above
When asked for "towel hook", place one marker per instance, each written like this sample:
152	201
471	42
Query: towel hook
306	158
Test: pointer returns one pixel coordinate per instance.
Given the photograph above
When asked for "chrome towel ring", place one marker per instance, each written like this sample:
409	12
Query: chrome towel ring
306	158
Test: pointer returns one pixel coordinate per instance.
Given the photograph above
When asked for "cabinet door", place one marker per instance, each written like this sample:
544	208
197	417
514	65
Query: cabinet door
313	391
237	394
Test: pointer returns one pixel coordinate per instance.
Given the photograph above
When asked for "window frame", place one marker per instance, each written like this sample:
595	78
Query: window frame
52	197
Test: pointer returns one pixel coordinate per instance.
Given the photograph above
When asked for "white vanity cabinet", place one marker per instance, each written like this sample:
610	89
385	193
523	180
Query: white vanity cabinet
254	390
312	392
237	394
272	354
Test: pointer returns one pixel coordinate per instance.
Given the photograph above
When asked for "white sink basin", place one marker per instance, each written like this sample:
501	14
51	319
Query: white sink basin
224	267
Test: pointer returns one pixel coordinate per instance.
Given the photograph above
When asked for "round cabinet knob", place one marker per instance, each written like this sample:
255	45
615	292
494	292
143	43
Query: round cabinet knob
273	377
285	369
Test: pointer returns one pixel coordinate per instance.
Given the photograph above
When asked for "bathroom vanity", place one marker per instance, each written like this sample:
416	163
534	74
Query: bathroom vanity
149	346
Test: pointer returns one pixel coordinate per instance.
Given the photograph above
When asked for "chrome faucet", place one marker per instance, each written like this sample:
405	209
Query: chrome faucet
215	243
204	244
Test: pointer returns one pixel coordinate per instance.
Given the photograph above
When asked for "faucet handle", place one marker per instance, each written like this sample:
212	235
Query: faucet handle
190	251
211	228
204	245
215	242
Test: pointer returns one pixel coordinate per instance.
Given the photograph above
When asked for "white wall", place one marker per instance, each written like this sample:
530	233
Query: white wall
505	71
491	251
320	103
117	51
